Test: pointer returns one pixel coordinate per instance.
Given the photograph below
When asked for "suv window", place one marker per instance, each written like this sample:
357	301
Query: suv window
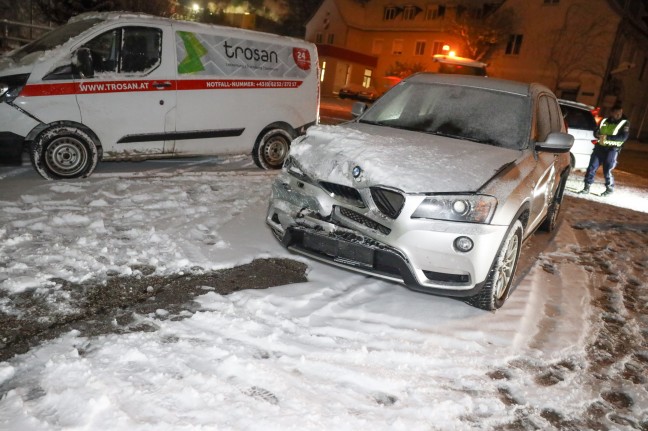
578	118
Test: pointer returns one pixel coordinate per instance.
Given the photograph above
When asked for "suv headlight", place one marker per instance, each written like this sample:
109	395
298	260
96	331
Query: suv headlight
461	208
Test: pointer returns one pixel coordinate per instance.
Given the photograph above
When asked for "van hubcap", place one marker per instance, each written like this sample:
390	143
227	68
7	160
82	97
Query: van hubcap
276	149
66	156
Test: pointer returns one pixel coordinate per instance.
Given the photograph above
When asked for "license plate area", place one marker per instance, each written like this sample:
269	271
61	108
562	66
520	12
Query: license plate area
341	251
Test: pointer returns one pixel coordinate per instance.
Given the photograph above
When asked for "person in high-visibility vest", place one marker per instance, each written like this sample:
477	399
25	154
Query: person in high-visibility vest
612	134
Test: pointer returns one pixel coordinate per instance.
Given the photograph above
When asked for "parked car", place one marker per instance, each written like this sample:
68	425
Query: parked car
435	186
581	124
358	92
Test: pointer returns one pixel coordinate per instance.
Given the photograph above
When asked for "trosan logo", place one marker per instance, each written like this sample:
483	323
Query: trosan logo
256	54
302	58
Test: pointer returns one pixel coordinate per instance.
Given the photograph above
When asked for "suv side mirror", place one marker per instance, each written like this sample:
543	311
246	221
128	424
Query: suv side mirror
83	62
358	108
556	143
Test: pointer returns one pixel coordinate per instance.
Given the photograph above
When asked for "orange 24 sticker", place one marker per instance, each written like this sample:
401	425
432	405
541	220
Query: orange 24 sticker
302	58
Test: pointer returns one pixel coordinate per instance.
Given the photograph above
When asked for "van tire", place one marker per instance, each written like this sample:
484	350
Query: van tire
272	147
64	152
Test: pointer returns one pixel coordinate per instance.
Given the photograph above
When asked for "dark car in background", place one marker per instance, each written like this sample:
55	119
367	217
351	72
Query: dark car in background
358	92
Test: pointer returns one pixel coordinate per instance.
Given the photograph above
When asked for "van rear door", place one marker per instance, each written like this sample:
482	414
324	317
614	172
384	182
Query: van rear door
130	101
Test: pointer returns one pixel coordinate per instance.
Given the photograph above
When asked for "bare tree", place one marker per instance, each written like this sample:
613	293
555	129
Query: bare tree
578	46
482	31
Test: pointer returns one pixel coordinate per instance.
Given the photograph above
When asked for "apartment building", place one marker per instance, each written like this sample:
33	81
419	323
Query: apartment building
592	51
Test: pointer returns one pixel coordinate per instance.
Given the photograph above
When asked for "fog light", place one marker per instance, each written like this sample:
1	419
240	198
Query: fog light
463	244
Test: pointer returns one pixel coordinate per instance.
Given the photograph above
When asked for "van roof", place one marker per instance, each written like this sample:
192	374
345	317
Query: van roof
139	16
449	59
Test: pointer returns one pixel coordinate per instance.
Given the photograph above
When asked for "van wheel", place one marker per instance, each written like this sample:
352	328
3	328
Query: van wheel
271	148
63	152
500	277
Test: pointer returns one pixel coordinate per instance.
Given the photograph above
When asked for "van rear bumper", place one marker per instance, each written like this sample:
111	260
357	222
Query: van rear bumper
11	148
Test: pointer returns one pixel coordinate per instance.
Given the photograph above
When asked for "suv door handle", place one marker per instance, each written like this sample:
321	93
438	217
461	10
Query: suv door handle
160	85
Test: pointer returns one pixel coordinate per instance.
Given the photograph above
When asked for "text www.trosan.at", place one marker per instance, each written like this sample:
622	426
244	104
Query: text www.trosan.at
113	86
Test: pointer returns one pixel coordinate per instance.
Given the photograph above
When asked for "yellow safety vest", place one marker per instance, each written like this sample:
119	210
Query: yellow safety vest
611	129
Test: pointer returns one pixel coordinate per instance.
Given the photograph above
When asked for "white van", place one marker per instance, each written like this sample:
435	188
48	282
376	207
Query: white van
122	86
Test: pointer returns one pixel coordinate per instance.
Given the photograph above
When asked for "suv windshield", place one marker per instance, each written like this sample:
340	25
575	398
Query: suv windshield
54	38
476	114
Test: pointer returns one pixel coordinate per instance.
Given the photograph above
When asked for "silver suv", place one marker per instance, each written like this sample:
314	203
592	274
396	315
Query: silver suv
435	186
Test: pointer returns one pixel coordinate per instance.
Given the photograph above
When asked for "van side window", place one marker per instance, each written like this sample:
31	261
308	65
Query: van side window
104	51
129	50
141	49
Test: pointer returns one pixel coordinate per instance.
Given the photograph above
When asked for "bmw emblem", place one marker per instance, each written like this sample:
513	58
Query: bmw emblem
356	172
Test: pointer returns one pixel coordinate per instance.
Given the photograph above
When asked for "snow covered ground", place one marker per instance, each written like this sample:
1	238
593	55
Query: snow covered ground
341	351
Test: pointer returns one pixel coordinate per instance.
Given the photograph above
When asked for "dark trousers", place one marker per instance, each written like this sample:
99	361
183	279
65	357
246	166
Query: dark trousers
606	156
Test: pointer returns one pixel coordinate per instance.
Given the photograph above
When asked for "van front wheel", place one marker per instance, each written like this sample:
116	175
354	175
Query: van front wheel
271	148
64	152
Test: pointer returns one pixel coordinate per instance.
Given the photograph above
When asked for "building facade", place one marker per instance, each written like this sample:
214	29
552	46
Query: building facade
591	51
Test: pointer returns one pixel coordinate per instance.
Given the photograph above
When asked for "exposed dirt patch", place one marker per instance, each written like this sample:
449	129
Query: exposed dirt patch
113	306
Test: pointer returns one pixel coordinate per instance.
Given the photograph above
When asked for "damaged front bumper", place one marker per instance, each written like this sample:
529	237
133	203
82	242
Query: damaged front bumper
417	253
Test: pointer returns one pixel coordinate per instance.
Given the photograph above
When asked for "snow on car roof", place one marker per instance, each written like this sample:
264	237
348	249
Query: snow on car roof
514	87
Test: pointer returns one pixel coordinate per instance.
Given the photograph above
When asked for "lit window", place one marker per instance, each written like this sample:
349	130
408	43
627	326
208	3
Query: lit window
366	79
419	49
397	47
514	44
437	47
390	13
322	71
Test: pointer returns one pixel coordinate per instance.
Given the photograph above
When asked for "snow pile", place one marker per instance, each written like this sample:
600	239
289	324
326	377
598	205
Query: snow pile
341	351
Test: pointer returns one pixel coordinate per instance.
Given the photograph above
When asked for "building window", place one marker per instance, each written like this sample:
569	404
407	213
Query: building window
409	12
514	44
436	11
322	71
377	47
419	49
551	1
347	76
437	47
330	39
366	79
397	47
390	13
319	37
